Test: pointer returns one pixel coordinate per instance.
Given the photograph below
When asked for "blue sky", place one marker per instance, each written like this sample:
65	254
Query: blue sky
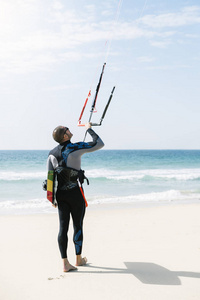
52	53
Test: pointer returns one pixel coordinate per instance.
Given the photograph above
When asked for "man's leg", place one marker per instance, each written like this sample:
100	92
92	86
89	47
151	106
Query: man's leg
64	217
78	212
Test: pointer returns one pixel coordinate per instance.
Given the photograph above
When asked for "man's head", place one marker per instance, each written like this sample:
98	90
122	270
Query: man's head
61	134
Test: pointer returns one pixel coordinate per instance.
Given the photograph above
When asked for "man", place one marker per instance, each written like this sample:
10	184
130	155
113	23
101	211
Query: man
65	160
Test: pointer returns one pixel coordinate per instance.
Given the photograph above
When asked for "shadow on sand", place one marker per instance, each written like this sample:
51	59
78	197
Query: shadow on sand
147	273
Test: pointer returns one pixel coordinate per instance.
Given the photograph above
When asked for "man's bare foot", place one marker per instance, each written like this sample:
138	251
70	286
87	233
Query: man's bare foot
81	261
67	266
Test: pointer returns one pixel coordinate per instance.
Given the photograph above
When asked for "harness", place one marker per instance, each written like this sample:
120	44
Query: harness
68	178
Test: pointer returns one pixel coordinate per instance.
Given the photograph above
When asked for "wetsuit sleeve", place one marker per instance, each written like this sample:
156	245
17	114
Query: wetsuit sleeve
73	159
97	143
52	163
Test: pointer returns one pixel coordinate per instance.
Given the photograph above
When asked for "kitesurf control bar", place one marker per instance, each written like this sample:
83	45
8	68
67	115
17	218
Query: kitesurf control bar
94	101
93	107
105	110
97	91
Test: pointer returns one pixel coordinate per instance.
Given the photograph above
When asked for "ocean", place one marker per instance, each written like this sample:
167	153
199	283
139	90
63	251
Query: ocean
116	176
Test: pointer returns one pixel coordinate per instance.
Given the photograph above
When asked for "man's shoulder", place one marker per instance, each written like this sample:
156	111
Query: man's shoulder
77	145
55	150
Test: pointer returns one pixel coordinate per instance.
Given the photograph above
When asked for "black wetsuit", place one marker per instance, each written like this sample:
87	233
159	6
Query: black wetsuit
65	159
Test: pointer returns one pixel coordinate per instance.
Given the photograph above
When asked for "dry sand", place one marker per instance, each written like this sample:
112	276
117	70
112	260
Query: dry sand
133	252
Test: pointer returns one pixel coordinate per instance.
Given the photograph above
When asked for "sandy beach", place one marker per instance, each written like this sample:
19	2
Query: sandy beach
134	252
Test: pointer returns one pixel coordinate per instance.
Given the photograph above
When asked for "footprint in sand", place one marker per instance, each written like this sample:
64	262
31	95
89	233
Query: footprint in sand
60	277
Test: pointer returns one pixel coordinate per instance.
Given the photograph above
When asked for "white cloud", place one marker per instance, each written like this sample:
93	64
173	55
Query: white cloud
168	67
29	41
187	16
145	59
160	44
62	87
192	36
57	5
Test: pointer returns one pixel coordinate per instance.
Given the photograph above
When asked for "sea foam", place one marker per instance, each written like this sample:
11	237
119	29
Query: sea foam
182	174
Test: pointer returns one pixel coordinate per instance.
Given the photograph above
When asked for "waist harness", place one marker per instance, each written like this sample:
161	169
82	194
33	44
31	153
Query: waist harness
68	178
